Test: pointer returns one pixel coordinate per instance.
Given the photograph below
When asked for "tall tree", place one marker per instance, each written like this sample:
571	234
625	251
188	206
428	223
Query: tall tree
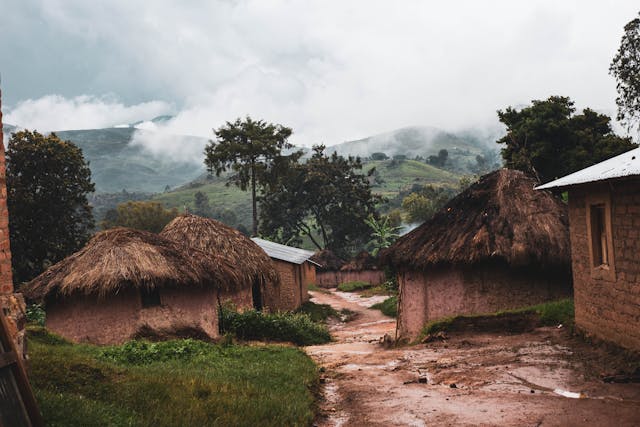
201	205
325	199
47	185
625	67
250	149
547	140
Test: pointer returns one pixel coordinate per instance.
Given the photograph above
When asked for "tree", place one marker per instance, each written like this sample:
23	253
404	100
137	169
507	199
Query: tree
440	160
379	156
250	149
142	215
324	199
201	205
383	234
424	203
625	68
546	139
48	181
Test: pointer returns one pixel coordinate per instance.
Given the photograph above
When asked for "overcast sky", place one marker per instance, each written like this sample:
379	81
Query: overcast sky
332	70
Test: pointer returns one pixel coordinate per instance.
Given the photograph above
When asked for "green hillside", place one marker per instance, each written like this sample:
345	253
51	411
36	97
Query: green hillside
396	176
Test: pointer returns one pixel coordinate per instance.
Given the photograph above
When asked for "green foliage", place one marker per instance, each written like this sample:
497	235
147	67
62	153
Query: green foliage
35	314
325	199
388	307
378	156
297	328
147	215
175	383
625	67
383	234
201	205
547	140
318	312
48	182
253	151
440	160
425	202
353	286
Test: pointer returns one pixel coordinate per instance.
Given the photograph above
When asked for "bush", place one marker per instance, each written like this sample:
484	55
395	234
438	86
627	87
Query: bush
388	307
144	352
353	286
35	314
297	328
318	312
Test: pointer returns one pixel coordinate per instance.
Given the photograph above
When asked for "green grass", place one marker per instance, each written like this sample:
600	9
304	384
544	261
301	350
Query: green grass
354	286
548	314
297	328
173	383
388	307
318	312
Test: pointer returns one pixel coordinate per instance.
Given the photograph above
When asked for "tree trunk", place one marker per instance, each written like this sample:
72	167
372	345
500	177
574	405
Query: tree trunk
253	200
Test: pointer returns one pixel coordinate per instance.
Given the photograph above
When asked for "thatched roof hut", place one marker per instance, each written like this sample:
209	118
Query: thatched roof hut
215	238
326	260
497	245
361	262
499	218
121	258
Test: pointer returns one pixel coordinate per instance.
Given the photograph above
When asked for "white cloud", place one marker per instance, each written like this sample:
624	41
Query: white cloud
55	112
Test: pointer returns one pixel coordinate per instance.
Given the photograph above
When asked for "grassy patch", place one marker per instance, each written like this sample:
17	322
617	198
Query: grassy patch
318	312
375	291
353	286
546	314
388	307
173	383
297	328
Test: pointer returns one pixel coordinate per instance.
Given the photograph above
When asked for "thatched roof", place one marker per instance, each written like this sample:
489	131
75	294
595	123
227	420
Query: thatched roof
327	260
363	261
121	258
214	238
501	217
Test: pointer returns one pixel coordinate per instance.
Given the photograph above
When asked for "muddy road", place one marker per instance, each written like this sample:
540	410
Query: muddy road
471	379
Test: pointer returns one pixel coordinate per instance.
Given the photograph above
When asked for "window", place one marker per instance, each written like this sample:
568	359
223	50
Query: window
600	239
599	236
150	297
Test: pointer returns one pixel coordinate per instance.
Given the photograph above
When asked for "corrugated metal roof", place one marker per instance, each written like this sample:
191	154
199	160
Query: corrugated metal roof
284	252
626	164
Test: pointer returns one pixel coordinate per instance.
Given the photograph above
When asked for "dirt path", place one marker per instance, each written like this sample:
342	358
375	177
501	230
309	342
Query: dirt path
486	379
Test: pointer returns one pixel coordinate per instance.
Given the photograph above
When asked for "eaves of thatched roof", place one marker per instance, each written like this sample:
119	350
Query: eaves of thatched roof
499	218
118	259
327	260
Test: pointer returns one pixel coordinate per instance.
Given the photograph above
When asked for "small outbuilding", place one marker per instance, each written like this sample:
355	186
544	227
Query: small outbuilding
296	271
362	268
328	267
497	245
260	280
127	283
604	219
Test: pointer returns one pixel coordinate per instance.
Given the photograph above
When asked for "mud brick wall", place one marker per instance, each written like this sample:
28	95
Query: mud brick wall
291	285
451	291
331	279
6	279
608	308
115	319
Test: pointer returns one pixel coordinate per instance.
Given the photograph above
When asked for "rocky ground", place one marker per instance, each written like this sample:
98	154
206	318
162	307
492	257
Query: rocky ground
541	378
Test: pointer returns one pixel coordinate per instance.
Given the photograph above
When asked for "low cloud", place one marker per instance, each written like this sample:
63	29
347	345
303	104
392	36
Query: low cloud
55	112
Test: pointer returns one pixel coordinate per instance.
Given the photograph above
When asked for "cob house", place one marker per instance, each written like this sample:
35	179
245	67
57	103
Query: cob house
497	245
295	269
328	267
362	268
260	280
604	225
128	283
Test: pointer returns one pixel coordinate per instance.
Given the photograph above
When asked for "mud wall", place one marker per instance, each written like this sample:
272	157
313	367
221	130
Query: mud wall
294	280
331	279
242	299
448	291
608	306
116	318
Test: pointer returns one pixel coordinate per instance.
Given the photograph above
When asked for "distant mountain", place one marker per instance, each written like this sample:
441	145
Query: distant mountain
116	163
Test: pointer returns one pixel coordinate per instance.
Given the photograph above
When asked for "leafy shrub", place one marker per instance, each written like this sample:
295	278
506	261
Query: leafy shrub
35	314
318	312
388	307
297	328
353	286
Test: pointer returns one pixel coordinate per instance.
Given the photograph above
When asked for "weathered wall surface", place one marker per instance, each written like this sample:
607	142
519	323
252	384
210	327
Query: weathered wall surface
6	278
242	299
331	279
608	308
443	292
116	318
293	290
